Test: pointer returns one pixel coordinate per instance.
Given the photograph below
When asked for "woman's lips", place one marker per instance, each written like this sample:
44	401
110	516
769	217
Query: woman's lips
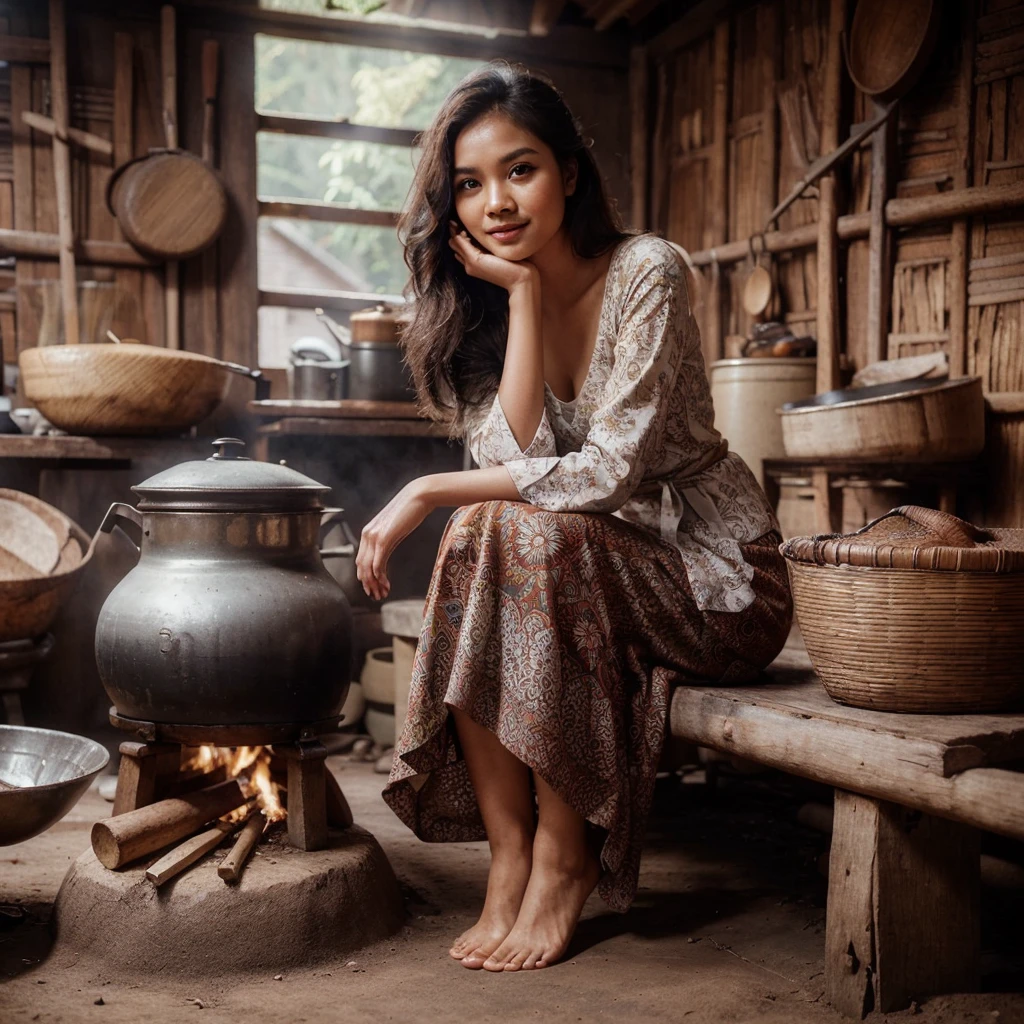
510	234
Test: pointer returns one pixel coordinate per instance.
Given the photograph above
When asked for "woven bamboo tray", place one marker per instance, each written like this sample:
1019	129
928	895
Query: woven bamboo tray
931	620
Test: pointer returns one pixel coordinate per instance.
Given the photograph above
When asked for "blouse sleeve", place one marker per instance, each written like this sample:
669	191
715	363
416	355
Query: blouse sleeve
627	428
492	443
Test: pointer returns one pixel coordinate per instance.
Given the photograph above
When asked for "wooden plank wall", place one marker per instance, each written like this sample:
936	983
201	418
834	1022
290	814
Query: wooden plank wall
27	194
957	288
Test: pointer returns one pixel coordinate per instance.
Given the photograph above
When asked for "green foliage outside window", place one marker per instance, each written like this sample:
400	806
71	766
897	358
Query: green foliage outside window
365	85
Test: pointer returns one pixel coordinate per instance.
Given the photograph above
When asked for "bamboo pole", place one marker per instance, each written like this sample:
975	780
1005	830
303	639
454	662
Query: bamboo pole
965	202
43	245
168	57
879	241
828	242
718	185
959	243
62	170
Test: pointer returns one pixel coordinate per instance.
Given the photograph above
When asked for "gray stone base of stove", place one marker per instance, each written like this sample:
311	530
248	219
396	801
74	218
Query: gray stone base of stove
290	909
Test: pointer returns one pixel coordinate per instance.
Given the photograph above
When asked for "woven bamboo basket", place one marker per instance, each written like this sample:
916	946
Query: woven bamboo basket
917	612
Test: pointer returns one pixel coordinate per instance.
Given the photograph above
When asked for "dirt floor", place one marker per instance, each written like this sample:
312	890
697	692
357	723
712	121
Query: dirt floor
728	927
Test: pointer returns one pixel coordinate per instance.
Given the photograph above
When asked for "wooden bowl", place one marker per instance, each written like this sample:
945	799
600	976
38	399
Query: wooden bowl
169	203
890	44
29	606
911	420
122	389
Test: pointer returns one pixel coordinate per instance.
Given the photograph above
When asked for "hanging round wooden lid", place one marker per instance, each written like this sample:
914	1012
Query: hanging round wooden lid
911	537
169	203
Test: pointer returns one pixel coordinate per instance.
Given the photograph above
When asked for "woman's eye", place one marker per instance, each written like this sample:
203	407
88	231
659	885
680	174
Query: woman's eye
466	183
520	169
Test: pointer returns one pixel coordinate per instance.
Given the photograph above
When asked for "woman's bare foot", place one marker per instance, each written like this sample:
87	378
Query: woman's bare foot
551	909
506	884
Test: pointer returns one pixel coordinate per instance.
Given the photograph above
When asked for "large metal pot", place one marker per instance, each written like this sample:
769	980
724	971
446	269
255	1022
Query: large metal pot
377	369
230	617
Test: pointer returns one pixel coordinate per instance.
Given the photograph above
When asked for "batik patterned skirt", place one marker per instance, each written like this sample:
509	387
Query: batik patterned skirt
564	634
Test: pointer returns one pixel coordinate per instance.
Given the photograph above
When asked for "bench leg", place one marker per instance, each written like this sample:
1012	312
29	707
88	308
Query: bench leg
903	914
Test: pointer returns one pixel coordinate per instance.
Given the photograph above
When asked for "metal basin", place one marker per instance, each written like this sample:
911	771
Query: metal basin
49	771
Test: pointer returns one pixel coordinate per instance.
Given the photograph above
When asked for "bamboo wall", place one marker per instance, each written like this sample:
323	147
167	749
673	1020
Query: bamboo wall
738	115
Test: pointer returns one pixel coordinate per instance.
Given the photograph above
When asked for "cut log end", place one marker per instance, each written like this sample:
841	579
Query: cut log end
105	846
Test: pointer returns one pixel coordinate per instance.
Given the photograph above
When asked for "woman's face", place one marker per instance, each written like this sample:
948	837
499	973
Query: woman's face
509	189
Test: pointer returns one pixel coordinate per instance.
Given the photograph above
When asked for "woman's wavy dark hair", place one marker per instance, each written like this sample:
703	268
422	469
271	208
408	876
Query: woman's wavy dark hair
455	340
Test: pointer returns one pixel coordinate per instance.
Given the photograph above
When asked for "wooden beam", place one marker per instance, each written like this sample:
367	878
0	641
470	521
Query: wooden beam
43	245
966	202
959	244
611	13
304	298
640	141
564	45
883	146
308	209
718	184
903	917
828	247
544	15
700	20
335	130
24	50
877	764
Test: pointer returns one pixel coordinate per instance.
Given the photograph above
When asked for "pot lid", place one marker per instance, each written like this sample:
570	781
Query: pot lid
383	311
228	481
915	538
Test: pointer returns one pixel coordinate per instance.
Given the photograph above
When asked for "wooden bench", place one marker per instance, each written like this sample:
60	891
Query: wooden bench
912	793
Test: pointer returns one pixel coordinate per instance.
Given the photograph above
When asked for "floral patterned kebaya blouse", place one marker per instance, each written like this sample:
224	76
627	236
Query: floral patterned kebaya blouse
639	439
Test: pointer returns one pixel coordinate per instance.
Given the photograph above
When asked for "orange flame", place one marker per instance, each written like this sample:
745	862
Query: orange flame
251	765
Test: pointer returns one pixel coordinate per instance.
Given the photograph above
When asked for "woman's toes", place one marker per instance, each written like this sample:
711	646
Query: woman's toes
531	961
474	960
517	962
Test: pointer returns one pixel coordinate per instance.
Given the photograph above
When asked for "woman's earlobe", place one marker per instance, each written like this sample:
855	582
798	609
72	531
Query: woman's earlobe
570	176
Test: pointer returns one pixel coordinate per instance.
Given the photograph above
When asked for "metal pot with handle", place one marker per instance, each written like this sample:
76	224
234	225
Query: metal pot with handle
230	617
377	369
316	372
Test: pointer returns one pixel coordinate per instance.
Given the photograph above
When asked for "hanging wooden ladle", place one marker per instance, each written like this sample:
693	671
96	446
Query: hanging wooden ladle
758	288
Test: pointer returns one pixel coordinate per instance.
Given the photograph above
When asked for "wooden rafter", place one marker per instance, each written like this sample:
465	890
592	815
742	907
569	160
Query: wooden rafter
307	209
335	130
545	14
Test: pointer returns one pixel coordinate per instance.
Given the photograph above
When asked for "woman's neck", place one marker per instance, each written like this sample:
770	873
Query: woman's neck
564	275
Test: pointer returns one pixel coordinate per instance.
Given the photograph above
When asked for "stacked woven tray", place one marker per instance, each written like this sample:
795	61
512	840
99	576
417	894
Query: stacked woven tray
918	611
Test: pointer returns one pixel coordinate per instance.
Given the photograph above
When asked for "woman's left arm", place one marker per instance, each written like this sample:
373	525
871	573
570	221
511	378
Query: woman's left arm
411	505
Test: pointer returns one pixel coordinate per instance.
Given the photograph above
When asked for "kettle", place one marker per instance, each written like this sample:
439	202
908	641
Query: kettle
316	371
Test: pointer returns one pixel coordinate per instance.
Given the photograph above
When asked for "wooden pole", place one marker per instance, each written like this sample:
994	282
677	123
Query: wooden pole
208	266
168	57
965	202
640	137
185	855
123	838
879	270
718	185
62	170
959	243
828	241
232	866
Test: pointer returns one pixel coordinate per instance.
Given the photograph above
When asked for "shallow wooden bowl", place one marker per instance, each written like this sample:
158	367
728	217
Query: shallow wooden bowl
940	422
29	606
122	389
890	44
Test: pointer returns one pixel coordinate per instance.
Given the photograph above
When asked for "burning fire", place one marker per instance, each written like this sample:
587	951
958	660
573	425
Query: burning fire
250	763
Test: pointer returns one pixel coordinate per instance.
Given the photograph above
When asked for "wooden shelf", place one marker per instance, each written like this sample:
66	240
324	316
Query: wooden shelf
900	469
307	426
346	409
72	448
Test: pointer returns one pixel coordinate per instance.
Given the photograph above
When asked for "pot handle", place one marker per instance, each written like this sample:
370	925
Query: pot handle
119	510
331	517
262	384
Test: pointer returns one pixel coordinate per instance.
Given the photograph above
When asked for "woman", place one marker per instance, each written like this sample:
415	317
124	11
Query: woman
610	545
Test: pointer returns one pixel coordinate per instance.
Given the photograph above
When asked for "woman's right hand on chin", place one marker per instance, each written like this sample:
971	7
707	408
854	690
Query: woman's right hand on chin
486	266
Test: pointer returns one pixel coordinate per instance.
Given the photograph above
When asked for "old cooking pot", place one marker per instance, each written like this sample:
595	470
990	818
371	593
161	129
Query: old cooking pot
230	617
377	369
